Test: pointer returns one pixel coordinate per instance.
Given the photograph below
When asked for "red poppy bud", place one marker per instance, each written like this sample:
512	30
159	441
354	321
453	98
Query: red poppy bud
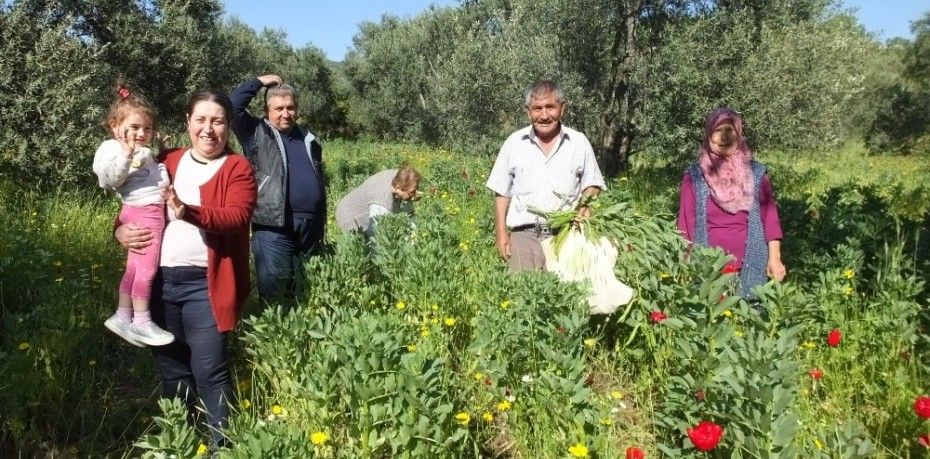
629	247
700	395
465	174
905	355
706	435
560	329
657	316
730	269
922	406
433	190
924	440
471	191
635	453
834	338
589	380
487	381
815	373
721	299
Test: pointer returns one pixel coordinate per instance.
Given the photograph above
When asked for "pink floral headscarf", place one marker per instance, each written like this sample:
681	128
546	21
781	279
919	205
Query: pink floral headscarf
729	178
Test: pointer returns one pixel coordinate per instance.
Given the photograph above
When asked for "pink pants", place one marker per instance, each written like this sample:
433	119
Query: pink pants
141	268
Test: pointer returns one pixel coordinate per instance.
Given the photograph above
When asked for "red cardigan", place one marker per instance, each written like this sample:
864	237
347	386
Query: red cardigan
227	201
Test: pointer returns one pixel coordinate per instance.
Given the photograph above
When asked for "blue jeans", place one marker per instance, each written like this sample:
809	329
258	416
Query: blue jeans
196	363
280	254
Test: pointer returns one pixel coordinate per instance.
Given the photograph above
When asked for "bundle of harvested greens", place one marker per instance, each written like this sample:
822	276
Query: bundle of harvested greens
585	252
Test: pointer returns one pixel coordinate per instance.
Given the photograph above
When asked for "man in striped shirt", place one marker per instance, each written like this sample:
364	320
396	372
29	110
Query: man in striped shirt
545	166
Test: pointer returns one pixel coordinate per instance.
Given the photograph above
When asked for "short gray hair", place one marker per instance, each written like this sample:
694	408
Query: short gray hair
280	90
541	88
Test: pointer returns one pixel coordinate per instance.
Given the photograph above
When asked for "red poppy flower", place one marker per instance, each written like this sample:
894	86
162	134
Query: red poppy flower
657	316
922	406
815	373
730	269
924	440
834	337
635	453
706	435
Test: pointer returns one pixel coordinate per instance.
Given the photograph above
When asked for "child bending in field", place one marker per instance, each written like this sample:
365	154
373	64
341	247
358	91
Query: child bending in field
125	165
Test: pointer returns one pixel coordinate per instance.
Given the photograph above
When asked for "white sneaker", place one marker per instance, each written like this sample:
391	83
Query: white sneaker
151	334
121	328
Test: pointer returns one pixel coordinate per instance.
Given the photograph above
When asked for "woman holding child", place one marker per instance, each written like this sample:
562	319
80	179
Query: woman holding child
203	276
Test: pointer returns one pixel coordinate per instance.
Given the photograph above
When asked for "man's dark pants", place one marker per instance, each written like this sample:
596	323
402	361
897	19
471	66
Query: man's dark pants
280	254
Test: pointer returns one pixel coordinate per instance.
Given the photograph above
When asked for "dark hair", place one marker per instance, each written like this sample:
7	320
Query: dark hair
209	95
124	104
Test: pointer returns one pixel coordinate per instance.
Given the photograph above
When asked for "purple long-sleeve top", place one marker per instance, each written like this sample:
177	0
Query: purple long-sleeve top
726	230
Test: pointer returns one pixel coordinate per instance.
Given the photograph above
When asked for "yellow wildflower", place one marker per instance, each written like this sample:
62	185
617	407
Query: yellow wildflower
728	313
434	307
504	405
463	418
607	422
616	394
487	416
92	362
590	342
505	304
848	273
450	321
424	332
809	345
805	392
847	290
664	275
318	438
578	450
471	221
277	410
245	404
201	449
411	348
463	246
400	305
739	334
479	376
818	444
24	346
434	321
56	263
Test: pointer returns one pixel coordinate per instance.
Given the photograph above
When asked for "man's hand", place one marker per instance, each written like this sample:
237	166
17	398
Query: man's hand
134	238
502	241
270	80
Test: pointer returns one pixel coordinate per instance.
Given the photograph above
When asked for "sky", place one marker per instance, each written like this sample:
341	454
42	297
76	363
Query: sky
330	25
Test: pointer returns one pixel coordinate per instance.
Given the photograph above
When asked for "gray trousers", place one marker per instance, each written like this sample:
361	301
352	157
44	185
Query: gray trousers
525	250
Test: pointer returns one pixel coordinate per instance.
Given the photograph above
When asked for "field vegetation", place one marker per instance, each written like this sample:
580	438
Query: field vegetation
420	343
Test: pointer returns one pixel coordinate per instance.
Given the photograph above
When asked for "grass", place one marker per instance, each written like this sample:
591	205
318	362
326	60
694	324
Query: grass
73	389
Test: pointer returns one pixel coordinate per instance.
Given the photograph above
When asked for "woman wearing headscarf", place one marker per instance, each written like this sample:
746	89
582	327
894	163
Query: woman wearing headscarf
727	201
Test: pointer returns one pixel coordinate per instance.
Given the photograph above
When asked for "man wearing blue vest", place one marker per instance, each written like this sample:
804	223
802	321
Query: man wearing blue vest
290	216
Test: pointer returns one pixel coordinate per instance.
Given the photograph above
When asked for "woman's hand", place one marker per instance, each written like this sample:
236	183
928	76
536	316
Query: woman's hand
134	238
774	267
174	203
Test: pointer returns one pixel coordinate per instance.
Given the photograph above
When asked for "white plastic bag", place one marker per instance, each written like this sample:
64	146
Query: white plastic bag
581	260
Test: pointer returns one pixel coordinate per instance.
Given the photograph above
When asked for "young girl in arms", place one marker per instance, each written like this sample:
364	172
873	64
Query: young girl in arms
125	165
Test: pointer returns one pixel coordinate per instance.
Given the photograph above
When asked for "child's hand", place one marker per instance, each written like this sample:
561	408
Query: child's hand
129	146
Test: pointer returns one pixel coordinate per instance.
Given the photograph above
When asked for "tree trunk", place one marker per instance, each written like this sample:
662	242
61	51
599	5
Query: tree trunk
617	128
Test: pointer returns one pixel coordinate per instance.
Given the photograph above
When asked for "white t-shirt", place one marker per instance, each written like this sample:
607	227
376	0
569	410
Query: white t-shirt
523	173
139	180
184	244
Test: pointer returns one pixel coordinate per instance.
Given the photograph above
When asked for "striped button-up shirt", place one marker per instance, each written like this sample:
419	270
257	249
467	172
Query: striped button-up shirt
523	173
